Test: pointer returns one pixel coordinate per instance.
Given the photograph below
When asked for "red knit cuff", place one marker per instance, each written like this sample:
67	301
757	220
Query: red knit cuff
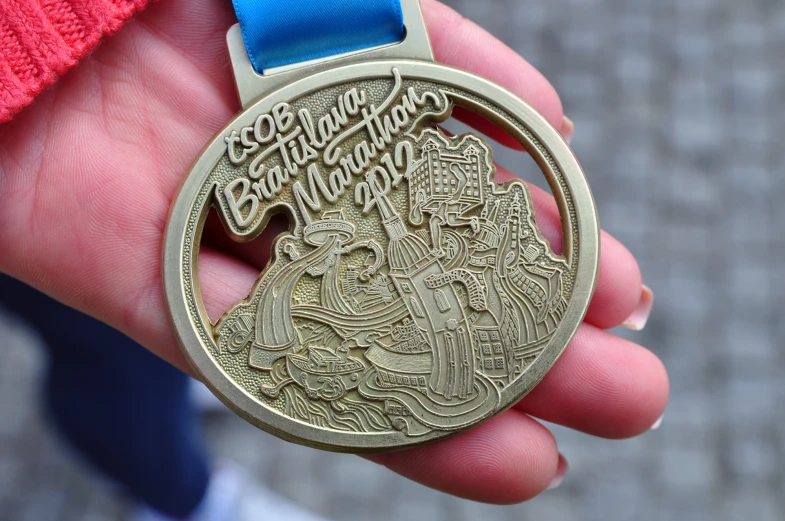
40	40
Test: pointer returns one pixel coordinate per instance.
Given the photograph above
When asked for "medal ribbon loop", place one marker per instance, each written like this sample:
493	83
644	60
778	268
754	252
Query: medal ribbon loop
283	32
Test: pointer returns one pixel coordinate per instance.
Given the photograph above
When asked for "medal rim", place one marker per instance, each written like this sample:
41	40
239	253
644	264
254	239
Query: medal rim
267	418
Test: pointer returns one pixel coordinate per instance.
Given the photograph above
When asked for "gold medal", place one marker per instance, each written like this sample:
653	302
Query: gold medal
413	296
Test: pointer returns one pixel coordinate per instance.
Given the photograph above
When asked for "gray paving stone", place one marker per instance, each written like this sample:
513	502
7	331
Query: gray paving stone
751	503
754	460
689	470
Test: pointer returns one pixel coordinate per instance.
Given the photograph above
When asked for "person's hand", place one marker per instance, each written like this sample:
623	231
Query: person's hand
87	175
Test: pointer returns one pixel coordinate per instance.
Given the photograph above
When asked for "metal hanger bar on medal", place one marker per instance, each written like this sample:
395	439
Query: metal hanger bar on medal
283	32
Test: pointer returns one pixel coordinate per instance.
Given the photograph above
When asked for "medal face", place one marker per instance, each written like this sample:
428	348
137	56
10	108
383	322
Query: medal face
413	296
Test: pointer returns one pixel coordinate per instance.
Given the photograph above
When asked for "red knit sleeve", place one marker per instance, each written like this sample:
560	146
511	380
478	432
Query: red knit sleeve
42	39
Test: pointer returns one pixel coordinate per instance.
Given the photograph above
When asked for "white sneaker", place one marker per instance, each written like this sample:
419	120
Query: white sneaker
235	495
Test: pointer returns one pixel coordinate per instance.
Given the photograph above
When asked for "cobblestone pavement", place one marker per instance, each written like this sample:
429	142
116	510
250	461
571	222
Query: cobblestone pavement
678	111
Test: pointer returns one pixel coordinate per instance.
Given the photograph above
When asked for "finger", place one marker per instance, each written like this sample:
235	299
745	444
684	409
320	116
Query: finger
461	43
223	281
619	283
561	472
257	252
508	459
485	127
603	385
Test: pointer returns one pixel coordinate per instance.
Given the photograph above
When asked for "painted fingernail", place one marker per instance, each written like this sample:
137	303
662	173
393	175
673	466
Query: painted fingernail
561	471
640	315
567	129
656	424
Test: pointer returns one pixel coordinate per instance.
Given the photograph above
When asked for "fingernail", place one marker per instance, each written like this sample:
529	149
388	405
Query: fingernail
640	315
657	424
561	471
567	129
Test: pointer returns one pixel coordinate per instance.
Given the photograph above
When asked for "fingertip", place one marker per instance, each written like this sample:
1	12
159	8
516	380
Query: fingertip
619	285
653	397
561	473
644	402
567	129
508	459
619	289
637	320
603	385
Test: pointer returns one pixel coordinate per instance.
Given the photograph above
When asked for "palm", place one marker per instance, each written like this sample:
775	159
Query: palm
87	175
90	170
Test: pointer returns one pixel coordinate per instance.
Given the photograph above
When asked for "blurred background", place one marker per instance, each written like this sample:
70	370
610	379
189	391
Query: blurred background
678	108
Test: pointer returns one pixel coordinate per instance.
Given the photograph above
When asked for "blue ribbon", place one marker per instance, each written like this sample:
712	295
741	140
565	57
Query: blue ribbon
281	32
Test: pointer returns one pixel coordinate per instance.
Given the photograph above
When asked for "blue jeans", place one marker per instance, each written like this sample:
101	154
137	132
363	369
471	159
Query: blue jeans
126	411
